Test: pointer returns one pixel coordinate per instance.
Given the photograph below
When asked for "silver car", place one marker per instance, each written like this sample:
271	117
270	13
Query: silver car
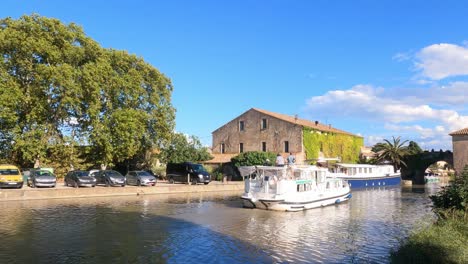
140	178
41	178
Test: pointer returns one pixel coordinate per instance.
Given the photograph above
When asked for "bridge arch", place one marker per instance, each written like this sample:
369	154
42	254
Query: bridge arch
417	164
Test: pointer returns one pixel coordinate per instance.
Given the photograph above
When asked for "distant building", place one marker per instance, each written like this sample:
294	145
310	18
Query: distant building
460	149
367	153
260	130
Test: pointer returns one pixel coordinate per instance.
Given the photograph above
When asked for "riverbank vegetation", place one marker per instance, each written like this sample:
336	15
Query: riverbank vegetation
446	241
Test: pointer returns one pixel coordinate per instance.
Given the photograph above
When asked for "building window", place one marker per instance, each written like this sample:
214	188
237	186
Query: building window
223	148
264	123
241	147
241	125
286	146
264	146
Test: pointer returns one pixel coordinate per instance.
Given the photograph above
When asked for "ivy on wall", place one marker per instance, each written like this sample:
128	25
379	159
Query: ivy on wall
332	145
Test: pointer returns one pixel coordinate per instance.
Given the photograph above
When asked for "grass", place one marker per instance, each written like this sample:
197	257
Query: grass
446	241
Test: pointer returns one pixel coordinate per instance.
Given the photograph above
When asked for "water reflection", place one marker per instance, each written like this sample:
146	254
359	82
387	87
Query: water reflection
208	228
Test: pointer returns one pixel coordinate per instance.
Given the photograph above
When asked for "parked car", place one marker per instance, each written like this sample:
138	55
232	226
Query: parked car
10	177
187	172
41	178
109	178
140	178
79	178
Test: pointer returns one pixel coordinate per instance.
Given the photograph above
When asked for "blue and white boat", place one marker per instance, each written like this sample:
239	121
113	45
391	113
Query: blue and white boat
366	175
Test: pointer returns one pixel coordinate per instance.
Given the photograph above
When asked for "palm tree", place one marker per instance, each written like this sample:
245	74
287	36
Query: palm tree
392	152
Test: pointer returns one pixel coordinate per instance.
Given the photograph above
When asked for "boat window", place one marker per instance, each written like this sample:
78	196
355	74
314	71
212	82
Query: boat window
370	170
360	170
328	185
365	170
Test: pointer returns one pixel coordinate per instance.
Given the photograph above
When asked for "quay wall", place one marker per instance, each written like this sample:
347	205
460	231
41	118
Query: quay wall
27	193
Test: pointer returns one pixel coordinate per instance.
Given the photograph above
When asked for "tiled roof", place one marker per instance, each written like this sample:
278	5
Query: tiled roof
304	122
463	131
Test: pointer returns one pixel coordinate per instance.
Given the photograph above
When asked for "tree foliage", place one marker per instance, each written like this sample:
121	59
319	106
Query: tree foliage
59	88
453	197
252	158
182	148
413	148
391	151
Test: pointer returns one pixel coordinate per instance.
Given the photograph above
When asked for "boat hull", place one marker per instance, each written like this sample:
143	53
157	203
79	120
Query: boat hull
373	182
291	206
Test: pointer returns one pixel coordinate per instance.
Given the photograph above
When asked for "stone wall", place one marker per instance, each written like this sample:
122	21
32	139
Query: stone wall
275	135
460	152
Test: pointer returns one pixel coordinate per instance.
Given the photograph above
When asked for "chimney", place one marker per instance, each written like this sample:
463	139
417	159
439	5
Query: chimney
316	123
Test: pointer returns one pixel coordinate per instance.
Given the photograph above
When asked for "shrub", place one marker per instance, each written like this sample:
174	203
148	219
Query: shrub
252	158
453	197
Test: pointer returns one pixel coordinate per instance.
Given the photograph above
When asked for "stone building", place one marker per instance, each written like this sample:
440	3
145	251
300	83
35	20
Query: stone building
260	130
460	149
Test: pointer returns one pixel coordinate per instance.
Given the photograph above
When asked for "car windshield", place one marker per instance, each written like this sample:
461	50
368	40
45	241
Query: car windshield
44	173
113	174
82	173
144	173
198	168
9	172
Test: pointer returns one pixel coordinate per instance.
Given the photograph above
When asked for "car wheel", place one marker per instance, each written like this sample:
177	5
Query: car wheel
33	184
206	183
75	184
123	185
194	182
65	183
107	183
138	183
93	186
20	186
171	180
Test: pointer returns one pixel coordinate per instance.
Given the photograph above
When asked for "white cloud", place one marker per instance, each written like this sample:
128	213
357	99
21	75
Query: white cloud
443	60
401	56
399	113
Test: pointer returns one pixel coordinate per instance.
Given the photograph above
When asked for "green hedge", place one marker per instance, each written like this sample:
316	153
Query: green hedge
333	145
252	158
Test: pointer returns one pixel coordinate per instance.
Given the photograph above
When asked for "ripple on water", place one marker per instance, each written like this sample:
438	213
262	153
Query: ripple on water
202	228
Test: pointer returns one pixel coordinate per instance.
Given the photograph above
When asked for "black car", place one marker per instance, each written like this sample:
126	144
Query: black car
187	172
79	178
109	178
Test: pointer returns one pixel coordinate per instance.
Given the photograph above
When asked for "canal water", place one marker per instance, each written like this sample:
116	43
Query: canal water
209	228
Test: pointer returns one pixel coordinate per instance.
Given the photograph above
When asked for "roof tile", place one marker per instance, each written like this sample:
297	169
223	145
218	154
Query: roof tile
463	131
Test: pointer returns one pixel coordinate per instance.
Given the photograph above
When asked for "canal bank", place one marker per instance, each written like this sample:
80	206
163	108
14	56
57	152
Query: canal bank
62	192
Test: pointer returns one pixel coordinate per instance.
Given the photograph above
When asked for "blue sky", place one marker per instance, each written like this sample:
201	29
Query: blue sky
374	68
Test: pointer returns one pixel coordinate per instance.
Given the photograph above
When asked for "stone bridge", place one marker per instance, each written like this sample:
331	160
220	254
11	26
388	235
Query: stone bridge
418	163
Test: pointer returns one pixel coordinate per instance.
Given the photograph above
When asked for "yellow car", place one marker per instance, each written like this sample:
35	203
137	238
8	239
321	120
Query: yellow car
10	176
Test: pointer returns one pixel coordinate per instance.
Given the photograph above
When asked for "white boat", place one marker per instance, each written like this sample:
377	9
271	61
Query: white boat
431	178
366	175
292	188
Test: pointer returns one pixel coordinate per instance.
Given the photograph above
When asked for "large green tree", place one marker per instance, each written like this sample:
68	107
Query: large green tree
391	151
183	148
59	88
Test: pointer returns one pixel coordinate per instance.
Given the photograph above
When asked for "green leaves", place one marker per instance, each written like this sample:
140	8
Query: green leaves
251	158
181	148
392	151
55	81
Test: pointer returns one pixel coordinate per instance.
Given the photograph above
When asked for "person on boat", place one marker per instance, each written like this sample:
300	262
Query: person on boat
291	159
279	160
267	163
